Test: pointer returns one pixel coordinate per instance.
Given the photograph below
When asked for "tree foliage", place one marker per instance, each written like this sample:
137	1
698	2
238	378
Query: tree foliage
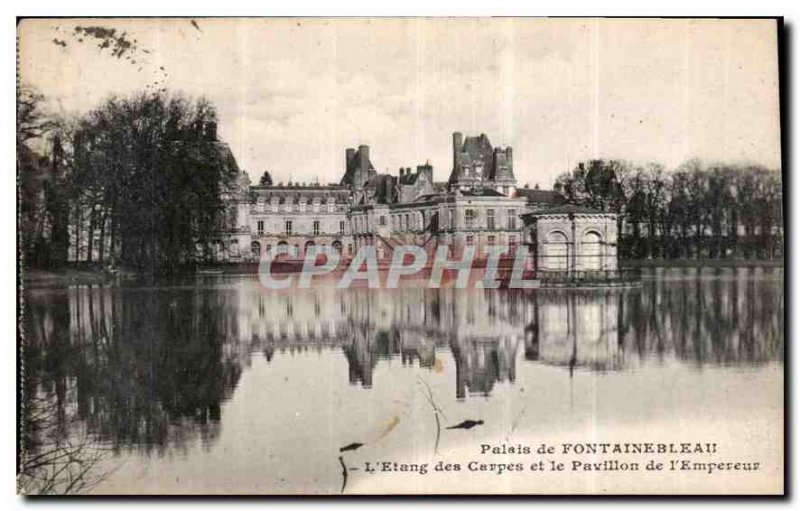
150	175
695	211
42	168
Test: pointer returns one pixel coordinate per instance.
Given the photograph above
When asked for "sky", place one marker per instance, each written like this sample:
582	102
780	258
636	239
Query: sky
293	94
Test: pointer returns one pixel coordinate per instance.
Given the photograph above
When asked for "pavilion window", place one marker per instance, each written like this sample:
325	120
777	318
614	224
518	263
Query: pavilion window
512	219
469	218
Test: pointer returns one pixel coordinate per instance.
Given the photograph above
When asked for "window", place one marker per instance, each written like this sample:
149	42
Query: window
490	219
470	240
469	218
341	226
408	223
512	218
490	239
382	220
512	240
316	227
288	227
316	207
260	227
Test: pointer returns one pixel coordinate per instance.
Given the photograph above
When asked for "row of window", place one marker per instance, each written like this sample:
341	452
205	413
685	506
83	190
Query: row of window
308	247
471	217
492	240
337	245
404	221
315	207
288	227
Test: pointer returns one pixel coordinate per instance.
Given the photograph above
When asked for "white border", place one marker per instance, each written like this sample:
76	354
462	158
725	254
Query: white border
786	8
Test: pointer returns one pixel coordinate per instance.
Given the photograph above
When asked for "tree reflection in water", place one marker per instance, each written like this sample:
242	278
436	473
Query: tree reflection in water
127	369
149	369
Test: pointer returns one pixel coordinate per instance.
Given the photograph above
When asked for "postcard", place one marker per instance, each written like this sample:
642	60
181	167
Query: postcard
400	256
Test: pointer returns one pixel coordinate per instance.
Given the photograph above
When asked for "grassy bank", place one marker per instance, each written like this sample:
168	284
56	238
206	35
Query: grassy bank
71	276
701	263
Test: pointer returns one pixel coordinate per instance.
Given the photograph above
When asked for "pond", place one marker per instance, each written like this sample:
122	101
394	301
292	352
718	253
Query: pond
215	385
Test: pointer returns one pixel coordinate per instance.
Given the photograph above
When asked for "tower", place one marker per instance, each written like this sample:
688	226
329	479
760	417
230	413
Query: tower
358	167
476	164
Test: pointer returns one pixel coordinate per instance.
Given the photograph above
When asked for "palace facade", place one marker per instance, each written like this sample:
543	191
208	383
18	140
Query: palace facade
480	205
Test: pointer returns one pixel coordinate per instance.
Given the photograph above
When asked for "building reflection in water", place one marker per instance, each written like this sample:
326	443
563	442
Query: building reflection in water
410	324
152	367
576	328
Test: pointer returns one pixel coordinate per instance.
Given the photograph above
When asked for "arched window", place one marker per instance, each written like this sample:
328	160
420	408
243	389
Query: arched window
281	250
591	251
255	249
557	253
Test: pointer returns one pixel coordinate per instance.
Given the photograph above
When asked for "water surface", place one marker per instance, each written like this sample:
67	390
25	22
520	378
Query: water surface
214	385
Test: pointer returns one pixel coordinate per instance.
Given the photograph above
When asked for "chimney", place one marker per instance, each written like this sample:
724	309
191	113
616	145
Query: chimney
363	154
349	153
458	144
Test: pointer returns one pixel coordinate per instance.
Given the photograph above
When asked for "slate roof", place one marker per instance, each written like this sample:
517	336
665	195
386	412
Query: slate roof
409	179
565	210
482	192
540	196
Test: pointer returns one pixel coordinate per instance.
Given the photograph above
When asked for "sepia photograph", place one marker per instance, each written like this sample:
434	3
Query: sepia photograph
400	256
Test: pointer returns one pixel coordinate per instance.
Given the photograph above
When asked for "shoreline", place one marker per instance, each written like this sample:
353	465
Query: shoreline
43	278
701	263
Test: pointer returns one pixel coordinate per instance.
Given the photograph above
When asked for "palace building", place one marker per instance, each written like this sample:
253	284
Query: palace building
479	205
